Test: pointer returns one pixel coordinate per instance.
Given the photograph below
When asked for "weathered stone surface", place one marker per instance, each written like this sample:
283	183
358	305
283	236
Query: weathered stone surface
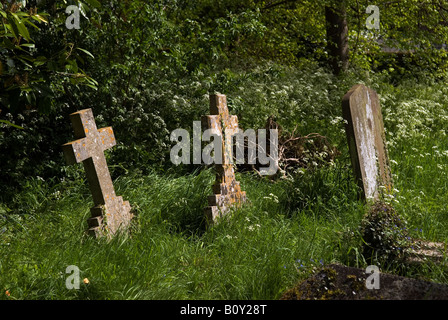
367	141
227	191
337	282
110	212
423	251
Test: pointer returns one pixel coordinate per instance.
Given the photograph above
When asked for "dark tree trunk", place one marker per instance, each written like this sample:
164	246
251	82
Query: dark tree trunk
337	36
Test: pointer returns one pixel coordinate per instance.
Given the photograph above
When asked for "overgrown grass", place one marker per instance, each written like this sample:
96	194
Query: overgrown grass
264	248
254	255
288	227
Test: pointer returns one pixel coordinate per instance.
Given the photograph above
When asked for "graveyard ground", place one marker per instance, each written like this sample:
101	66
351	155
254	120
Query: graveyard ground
290	229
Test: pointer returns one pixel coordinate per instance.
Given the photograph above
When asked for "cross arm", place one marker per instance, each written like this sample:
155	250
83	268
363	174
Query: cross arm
107	138
75	151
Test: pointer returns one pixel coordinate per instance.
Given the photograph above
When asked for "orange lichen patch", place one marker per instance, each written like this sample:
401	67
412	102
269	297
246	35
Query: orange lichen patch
89	148
389	188
227	191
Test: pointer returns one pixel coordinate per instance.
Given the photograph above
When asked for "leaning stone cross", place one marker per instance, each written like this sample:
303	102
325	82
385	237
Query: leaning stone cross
367	141
227	191
110	212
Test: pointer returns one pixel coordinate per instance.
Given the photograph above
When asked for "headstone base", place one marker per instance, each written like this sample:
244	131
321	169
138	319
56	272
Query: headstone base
98	225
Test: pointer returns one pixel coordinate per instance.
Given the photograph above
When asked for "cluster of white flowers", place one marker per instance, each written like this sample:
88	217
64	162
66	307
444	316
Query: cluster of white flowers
338	120
271	197
415	118
253	227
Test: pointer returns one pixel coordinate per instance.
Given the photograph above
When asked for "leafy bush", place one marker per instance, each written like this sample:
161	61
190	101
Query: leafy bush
39	57
384	234
154	65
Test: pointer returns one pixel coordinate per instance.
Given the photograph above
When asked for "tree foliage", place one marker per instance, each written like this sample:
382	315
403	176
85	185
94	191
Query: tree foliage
146	67
37	58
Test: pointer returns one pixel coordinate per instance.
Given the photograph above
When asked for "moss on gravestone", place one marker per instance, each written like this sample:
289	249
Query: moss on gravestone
384	234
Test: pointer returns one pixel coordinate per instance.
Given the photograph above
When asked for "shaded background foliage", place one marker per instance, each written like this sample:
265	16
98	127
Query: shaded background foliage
147	67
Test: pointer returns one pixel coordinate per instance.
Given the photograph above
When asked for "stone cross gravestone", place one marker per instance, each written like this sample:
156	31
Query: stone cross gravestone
110	212
227	191
367	141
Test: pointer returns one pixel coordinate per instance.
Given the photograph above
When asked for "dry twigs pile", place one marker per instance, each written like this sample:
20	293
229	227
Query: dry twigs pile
295	151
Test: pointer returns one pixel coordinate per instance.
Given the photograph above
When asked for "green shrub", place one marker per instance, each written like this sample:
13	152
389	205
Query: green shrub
384	234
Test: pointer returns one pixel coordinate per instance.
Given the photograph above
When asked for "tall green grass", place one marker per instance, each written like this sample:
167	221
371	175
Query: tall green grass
169	254
288	228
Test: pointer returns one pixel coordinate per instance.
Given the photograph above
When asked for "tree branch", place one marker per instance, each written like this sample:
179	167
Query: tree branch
275	4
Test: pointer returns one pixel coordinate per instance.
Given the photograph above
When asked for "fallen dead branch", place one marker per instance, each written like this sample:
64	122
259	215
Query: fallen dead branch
294	151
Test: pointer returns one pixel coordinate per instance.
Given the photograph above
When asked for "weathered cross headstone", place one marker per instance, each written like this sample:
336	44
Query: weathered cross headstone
110	212
367	141
227	191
